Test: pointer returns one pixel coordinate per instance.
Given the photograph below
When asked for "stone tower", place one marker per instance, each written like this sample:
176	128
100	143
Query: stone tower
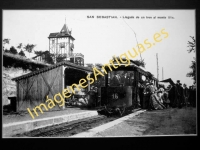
61	44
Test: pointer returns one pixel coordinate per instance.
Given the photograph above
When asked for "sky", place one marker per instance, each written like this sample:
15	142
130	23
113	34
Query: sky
98	39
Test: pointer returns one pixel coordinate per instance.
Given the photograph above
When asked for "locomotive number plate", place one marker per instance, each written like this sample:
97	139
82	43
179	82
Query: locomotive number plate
115	96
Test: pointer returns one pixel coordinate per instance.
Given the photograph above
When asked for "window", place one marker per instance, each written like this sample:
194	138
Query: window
53	41
121	78
62	45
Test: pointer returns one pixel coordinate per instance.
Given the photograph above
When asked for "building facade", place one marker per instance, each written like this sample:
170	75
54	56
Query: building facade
61	44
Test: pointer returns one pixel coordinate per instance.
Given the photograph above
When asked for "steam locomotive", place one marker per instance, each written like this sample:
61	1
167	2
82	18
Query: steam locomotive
121	89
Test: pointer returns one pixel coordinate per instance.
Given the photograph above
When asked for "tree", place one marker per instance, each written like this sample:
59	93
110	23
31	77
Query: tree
29	47
193	72
60	59
5	41
192	45
22	53
7	51
89	65
13	50
140	62
192	48
47	56
38	53
20	46
98	65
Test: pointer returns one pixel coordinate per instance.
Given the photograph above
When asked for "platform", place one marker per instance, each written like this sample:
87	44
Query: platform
21	124
108	126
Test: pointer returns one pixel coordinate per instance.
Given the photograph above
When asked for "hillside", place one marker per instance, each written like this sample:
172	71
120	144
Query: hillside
9	86
15	66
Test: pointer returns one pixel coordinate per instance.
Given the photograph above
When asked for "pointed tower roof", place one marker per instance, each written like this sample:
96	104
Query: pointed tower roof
63	33
65	29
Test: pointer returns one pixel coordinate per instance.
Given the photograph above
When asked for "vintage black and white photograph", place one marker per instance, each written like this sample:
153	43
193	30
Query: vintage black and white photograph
98	73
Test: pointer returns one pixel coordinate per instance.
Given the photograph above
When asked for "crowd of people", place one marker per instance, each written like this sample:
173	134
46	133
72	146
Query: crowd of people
182	95
174	95
148	96
123	79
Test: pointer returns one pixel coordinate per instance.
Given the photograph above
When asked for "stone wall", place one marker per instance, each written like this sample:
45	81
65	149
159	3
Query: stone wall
9	86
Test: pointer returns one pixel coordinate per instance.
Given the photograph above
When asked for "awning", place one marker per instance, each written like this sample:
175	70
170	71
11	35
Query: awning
168	80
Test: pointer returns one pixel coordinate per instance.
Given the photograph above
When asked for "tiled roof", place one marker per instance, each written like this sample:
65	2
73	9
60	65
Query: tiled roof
53	34
63	33
71	65
57	35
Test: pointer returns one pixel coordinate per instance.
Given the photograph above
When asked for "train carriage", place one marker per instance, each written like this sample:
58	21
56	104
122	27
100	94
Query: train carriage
123	85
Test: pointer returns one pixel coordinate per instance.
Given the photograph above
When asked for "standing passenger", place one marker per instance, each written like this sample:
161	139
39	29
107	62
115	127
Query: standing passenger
147	94
178	99
141	93
131	79
173	95
116	80
125	79
193	96
185	94
182	96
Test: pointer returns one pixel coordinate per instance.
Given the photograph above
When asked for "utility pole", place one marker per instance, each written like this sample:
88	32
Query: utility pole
162	74
157	67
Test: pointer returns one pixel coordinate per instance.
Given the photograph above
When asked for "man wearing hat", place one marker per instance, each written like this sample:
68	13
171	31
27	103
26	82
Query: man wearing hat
173	95
123	77
116	80
152	88
179	94
141	92
182	96
185	94
169	87
148	91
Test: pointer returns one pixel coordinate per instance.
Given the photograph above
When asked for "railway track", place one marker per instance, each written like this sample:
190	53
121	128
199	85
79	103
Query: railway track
71	128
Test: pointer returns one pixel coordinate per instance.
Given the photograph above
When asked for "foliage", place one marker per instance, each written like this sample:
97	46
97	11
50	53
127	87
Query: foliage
20	46
29	47
60	58
98	65
192	48
17	62
38	53
90	65
193	72
192	45
13	50
5	41
7	51
140	62
47	56
22	53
